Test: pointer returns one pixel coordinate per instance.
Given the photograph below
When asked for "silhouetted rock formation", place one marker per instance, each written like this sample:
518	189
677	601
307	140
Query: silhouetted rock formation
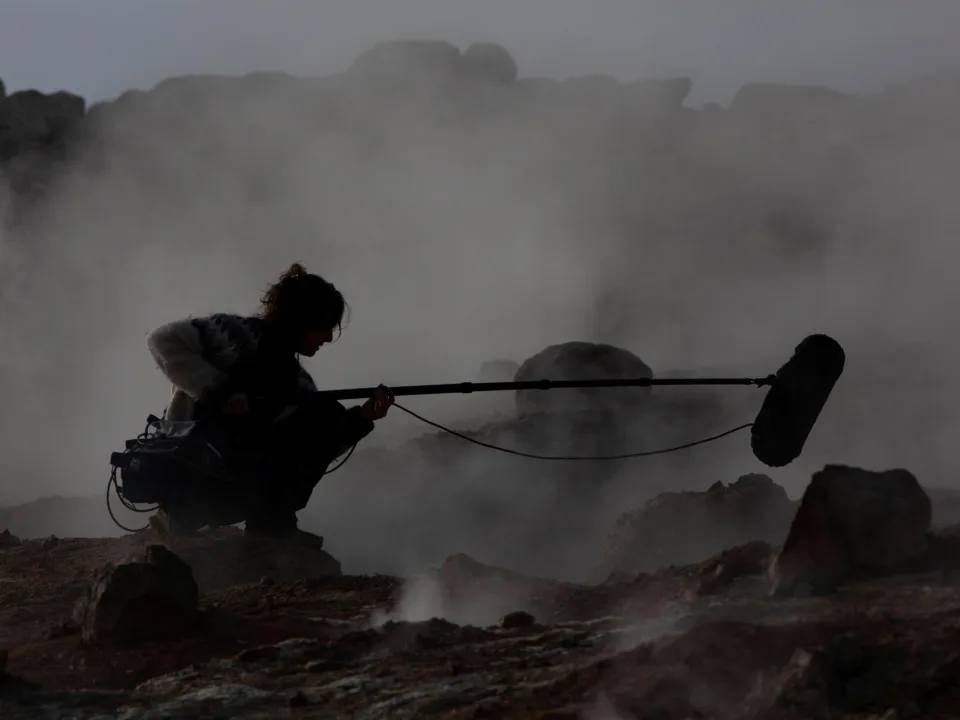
142	599
688	527
853	522
582	361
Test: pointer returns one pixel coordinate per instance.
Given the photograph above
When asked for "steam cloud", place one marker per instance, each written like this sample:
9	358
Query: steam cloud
489	227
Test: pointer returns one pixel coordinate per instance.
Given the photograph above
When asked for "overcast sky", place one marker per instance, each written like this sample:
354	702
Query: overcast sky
100	47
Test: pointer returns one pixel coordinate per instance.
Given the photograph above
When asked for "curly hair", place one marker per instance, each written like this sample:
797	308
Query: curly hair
299	302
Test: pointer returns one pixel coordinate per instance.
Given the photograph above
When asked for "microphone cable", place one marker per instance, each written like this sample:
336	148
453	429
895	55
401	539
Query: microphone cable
533	456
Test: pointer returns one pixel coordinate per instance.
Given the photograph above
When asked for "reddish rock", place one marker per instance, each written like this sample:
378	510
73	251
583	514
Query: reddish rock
853	523
685	528
138	600
744	561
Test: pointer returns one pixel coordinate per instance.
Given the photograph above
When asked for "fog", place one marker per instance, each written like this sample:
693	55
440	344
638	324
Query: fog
463	235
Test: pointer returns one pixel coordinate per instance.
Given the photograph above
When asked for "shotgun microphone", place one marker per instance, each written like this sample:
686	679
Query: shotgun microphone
795	399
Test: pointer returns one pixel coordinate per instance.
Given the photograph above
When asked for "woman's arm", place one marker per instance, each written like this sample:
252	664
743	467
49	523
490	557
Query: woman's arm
178	351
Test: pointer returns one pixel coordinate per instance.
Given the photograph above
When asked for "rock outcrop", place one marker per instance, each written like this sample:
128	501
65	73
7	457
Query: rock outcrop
581	361
8	540
32	120
683	528
853	522
151	598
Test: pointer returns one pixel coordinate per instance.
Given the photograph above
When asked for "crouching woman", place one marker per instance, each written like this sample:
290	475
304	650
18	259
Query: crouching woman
244	374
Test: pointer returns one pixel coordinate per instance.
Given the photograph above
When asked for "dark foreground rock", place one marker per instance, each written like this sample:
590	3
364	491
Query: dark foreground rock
8	540
853	522
689	527
151	598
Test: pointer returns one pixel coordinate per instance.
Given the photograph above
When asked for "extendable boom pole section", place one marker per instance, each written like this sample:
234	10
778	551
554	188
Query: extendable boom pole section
468	387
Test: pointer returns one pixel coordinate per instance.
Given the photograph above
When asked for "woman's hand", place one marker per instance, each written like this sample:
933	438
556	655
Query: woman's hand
376	407
236	405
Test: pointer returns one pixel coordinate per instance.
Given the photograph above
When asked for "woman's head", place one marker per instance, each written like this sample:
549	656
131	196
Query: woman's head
304	308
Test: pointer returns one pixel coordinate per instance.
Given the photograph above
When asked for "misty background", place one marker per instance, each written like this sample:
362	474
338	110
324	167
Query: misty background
490	226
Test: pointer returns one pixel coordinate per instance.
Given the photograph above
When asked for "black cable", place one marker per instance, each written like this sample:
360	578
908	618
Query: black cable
647	453
113	483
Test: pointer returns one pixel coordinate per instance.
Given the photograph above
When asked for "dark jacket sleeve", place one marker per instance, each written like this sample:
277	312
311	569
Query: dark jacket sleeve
357	427
335	428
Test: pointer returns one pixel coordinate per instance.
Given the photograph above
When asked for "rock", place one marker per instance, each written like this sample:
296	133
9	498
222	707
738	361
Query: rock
30	118
515	620
851	523
50	542
8	541
490	61
742	562
3	90
685	528
581	361
155	597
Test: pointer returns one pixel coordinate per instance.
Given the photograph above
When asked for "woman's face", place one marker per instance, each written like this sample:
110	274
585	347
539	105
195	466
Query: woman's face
313	340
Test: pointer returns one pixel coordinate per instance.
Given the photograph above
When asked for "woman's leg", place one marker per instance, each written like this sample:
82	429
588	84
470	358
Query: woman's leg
301	446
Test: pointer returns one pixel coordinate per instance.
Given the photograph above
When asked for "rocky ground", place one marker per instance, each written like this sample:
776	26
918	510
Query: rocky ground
701	641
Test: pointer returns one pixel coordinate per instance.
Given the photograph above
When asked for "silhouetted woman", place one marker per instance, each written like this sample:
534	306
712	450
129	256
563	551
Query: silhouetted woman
245	373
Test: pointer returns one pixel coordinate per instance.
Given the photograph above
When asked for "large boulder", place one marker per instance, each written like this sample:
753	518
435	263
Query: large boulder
153	597
581	361
853	523
684	528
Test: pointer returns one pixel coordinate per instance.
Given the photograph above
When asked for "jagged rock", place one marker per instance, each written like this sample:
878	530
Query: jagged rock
721	571
31	118
581	361
491	61
149	598
7	540
688	527
853	522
